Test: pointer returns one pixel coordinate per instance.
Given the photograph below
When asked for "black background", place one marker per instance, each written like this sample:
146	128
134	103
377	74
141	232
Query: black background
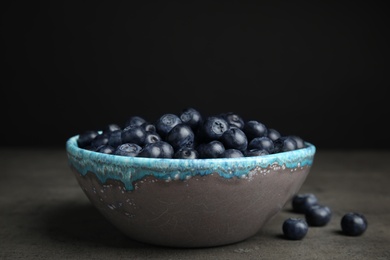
318	69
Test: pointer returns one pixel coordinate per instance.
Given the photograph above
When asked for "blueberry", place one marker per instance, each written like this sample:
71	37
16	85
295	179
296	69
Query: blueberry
181	135
86	138
284	144
273	134
165	123
128	149
232	153
302	202
255	152
151	137
213	128
262	143
186	153
134	121
107	149
213	149
234	138
160	149
134	134
111	128
99	140
295	228
299	141
191	117
233	119
318	215
115	138
254	129
149	127
353	224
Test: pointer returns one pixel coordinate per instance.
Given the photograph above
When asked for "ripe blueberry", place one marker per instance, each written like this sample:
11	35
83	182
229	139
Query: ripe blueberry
353	224
213	149
165	123
134	134
160	149
254	129
302	202
273	134
181	135
213	127
295	228
128	149
86	138
191	117
234	138
134	121
186	153
232	153
233	119
262	143
318	215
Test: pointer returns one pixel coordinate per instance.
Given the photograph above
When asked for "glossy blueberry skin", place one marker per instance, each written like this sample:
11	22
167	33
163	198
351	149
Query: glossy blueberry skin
107	149
180	136
233	119
128	149
134	134
232	153
165	123
234	138
353	224
273	134
302	202
99	140
134	121
255	129
262	143
191	117
186	153
295	228
318	215
151	137
213	128
111	128
284	144
213	149
255	152
159	149
299	141
115	138
149	127
86	138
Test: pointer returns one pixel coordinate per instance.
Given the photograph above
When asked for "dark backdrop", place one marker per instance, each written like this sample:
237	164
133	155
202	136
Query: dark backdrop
313	68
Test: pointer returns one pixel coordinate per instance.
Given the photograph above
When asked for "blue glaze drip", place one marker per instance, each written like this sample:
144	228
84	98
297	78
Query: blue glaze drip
130	169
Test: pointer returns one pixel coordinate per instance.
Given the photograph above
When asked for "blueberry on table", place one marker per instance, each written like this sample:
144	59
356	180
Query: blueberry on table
302	202
318	215
295	228
353	224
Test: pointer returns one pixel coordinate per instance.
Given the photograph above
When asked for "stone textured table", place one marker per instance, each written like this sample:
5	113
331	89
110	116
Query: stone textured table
45	215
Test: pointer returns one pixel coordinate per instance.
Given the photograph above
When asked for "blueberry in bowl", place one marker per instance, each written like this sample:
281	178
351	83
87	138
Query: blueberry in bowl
192	187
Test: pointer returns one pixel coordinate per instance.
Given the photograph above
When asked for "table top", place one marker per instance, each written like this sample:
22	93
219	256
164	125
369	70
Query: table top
44	214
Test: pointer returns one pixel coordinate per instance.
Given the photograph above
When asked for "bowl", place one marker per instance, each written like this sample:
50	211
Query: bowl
189	202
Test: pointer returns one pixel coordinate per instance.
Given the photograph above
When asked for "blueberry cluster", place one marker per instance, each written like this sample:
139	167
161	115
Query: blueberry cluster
318	215
189	134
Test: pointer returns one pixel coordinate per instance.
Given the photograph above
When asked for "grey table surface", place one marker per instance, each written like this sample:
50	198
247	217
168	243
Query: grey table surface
44	214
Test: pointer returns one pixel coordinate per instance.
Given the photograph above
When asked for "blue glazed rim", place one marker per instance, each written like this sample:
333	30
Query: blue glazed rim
130	169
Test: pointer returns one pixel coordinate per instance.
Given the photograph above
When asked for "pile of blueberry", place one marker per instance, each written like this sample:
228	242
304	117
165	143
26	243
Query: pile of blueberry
318	215
189	134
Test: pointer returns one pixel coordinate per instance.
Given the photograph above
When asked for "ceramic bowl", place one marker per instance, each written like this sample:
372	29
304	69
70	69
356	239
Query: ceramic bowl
189	202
